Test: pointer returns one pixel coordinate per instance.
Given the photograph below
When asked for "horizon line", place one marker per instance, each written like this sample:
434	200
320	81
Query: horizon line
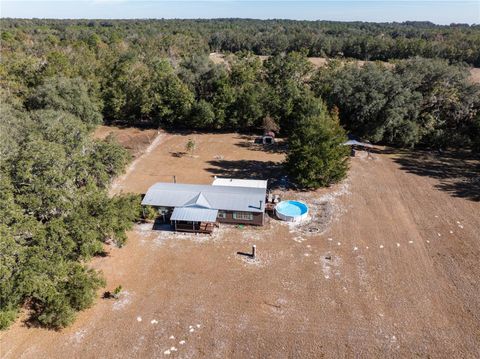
237	18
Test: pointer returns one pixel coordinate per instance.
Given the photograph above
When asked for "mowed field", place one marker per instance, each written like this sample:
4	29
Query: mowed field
388	266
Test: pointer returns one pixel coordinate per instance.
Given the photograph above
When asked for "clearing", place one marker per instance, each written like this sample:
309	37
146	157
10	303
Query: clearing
135	140
387	267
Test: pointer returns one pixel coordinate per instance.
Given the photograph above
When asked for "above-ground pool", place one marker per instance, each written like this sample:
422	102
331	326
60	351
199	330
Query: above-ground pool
291	211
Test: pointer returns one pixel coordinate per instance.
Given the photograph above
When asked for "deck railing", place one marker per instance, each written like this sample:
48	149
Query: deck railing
197	227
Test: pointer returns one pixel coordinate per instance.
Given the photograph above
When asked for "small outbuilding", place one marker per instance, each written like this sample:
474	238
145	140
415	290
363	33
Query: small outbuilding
268	138
354	144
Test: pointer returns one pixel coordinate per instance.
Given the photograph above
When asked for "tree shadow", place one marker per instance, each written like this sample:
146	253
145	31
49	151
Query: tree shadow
457	172
31	320
178	154
248	169
279	146
102	254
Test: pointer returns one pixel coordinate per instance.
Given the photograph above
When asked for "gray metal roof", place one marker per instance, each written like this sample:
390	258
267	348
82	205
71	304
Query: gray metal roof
356	143
236	182
194	214
199	201
226	198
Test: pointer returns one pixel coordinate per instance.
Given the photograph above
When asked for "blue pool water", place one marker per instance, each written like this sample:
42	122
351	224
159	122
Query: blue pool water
292	208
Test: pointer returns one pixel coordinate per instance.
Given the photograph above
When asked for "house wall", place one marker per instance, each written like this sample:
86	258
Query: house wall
258	219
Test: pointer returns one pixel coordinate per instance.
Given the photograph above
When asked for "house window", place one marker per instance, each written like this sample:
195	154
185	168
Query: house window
244	216
222	215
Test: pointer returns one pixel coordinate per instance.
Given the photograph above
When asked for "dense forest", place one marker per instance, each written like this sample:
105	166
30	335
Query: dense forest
60	79
360	40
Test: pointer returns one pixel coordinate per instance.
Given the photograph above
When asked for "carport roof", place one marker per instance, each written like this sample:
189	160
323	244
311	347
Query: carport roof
194	214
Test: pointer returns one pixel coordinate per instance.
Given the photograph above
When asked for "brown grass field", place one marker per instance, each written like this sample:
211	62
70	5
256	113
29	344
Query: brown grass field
135	140
388	266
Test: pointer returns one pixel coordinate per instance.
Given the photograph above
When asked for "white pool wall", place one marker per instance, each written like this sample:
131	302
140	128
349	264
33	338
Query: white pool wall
287	218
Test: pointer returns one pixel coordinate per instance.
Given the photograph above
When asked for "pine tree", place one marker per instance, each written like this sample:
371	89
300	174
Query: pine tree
316	156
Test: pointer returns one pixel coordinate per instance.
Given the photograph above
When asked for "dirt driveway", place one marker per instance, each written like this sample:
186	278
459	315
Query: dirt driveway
387	267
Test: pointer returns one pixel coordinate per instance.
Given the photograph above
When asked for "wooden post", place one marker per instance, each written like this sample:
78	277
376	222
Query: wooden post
254	250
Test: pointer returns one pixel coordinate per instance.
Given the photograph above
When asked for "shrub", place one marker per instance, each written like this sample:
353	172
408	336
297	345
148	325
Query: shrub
149	213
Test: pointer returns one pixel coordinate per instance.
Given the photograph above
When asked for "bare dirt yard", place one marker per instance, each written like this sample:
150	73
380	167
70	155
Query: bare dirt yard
387	266
229	155
135	140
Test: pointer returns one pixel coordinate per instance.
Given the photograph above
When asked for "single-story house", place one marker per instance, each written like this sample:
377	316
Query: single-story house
196	208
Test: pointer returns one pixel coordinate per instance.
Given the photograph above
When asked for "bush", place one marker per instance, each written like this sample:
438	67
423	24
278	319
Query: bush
117	291
149	213
55	313
7	316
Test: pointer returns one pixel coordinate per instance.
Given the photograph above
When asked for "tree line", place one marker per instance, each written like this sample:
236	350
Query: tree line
359	40
158	73
55	212
416	102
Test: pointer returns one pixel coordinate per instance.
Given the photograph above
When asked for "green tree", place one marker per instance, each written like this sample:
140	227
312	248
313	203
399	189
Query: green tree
248	111
69	95
12	129
417	101
11	260
190	146
316	156
373	102
202	115
171	98
57	63
287	77
449	101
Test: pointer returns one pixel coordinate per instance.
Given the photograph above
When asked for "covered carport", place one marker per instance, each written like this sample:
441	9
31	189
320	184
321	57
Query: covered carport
358	145
194	219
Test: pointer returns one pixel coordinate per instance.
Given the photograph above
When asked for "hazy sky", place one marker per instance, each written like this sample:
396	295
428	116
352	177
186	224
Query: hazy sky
440	12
